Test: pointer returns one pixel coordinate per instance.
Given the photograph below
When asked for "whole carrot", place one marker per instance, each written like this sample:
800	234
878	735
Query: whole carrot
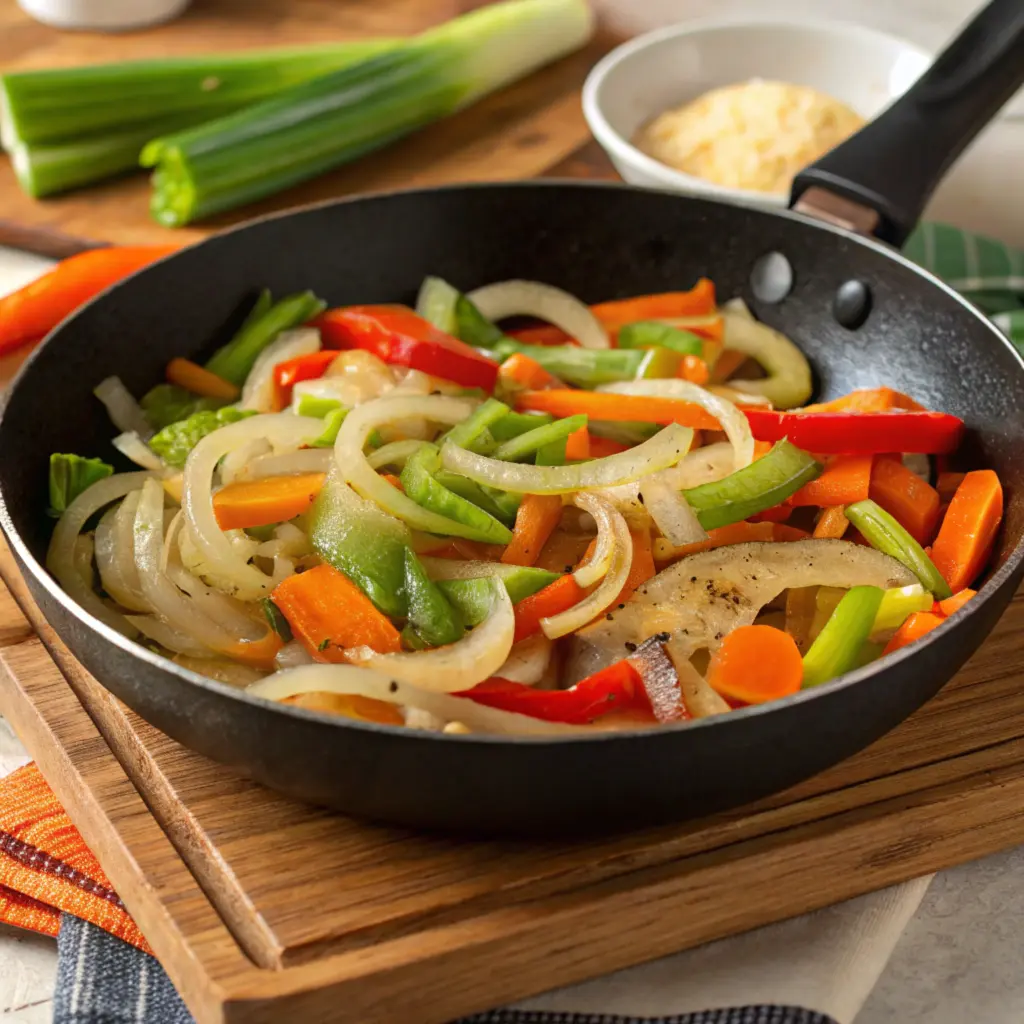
33	311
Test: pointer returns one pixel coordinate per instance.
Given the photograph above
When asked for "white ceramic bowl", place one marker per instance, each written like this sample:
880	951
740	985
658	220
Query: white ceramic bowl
860	67
103	15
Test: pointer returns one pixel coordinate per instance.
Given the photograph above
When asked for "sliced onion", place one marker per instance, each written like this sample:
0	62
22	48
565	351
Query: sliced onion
458	666
528	660
603	513
363	375
395	454
306	460
919	464
292	655
544	301
168	637
607	593
224	566
178	610
60	557
132	447
258	390
698	696
230	672
360	682
115	555
740	398
665	449
671	512
125	413
225	611
356	471
733	422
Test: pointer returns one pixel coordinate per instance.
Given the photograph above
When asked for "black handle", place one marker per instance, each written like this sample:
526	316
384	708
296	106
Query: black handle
893	164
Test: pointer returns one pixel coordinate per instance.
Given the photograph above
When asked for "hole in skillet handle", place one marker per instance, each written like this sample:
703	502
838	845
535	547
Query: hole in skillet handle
771	278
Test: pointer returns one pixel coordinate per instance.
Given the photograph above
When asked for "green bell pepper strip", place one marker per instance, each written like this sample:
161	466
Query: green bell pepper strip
176	440
659	364
626	432
525	445
475	428
70	475
503	505
885	534
167	403
360	540
419	480
762	485
552	453
436	303
899	603
837	647
472	327
431	615
585	367
310	405
651	333
332	424
234	361
516	423
472	597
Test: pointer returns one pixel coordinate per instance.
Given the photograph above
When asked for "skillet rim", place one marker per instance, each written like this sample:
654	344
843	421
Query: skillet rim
44	579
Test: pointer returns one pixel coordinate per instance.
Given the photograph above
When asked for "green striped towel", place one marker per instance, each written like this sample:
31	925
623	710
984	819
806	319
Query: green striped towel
985	272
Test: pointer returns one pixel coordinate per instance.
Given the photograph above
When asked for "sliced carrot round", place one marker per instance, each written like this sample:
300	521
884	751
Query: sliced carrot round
756	664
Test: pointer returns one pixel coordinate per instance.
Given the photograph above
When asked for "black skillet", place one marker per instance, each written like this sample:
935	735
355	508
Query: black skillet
598	242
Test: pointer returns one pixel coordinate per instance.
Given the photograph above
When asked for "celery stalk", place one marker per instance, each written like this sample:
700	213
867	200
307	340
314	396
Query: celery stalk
838	646
310	128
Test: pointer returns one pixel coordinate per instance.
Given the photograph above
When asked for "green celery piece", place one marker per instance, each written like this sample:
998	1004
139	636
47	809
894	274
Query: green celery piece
332	424
234	361
472	597
176	440
309	128
431	615
275	618
419	479
318	408
472	327
585	367
362	541
70	475
625	432
167	403
837	647
885	534
527	444
552	454
868	653
899	603
412	641
651	333
262	533
659	363
503	505
516	423
761	485
436	304
471	430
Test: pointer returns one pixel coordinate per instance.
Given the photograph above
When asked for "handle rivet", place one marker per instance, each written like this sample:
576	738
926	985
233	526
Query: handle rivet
852	304
771	280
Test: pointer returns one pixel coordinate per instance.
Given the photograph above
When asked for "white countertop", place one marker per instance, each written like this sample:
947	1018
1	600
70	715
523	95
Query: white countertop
962	956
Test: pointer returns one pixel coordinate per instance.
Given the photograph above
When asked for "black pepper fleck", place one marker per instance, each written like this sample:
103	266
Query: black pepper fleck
640	497
630	646
623	605
393	686
609	616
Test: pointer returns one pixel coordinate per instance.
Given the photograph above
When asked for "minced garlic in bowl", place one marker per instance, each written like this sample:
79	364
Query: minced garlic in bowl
755	135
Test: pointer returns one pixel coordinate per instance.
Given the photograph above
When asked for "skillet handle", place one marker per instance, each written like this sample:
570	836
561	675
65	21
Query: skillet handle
879	180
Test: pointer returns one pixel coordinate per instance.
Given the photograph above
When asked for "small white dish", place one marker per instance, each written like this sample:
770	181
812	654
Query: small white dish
860	67
103	15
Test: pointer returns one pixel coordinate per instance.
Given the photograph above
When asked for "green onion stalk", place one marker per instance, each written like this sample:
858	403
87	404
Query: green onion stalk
67	127
310	128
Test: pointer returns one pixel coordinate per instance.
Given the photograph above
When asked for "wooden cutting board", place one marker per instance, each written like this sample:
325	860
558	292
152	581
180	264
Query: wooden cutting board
519	132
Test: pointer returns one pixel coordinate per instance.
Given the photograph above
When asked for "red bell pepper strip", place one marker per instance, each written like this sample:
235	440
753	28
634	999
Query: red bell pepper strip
860	433
33	311
291	371
615	688
400	337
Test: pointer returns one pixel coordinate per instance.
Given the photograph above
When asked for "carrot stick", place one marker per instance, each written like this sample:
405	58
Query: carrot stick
537	517
545	335
694	369
577	445
275	499
755	664
393	480
946	485
698	301
257	653
913	502
832	524
953	604
779	514
364	709
914	627
329	613
197	379
727	364
605	406
642	567
968	530
844	480
868	400
782	532
554	598
525	372
33	311
600	447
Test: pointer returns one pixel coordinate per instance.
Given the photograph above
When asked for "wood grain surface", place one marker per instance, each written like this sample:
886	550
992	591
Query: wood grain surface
517	133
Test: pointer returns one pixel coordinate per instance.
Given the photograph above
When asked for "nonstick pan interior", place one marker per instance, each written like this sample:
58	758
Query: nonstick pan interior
598	242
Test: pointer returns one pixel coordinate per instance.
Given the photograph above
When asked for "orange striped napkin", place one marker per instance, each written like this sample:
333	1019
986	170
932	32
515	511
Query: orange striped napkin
46	868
